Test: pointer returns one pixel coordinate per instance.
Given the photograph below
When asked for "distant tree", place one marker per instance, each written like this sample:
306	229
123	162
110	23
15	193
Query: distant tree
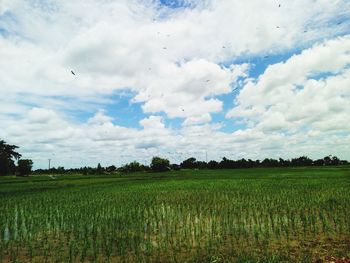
84	170
25	167
251	163
132	167
61	170
243	163
226	163
302	161
160	165
99	169
269	162
201	165
344	162
319	162
213	164
335	160
327	160
283	162
175	167
7	157
111	169
190	163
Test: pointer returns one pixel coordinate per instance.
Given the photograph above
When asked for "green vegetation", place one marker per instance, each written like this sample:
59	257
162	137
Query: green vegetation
25	167
160	165
7	156
241	215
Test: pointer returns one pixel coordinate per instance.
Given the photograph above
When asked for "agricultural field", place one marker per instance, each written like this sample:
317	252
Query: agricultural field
246	215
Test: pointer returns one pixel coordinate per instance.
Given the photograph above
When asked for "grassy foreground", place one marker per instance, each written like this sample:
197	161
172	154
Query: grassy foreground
250	215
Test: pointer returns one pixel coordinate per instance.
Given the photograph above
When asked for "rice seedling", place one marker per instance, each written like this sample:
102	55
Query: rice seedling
194	216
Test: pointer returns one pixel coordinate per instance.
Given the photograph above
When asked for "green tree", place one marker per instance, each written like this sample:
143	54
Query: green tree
99	169
190	163
111	169
159	164
132	167
25	167
8	155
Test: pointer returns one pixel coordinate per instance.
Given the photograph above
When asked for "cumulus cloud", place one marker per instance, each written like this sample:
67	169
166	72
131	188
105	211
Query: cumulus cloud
307	87
100	118
306	96
178	64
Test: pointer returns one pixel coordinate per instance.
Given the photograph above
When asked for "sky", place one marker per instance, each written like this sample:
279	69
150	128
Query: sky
174	78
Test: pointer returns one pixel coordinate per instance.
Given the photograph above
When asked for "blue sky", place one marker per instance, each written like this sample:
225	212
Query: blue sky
129	114
174	78
175	4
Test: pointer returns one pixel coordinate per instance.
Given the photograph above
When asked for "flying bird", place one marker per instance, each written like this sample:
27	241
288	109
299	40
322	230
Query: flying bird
207	80
279	5
235	89
164	47
72	72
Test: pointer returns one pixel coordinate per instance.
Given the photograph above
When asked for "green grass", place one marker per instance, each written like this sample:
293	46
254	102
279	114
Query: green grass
248	215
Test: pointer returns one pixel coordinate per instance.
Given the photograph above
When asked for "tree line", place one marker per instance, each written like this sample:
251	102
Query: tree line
9	156
159	164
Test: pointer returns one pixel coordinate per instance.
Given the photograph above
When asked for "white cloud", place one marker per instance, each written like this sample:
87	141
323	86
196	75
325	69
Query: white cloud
307	96
37	115
100	118
178	64
291	89
112	45
205	118
152	123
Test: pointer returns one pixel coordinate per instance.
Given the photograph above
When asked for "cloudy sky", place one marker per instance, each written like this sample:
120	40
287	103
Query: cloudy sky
175	78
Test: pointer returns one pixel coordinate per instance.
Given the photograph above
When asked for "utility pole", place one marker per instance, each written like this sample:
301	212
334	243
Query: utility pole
49	163
206	157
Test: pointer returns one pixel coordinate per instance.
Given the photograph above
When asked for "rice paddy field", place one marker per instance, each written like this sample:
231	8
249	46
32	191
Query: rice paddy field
248	215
